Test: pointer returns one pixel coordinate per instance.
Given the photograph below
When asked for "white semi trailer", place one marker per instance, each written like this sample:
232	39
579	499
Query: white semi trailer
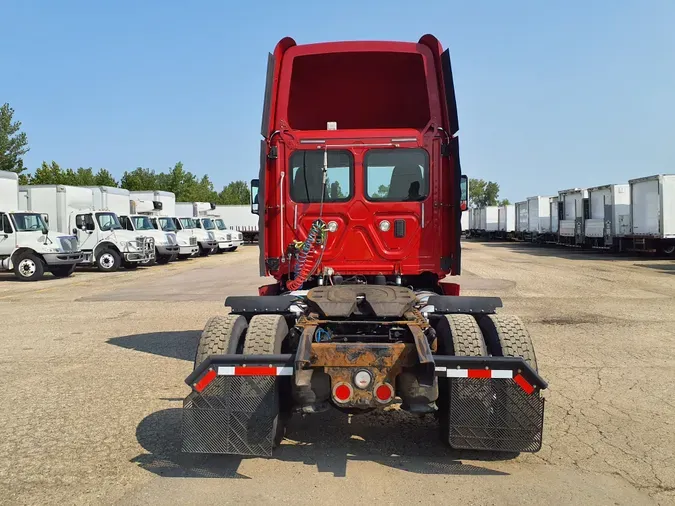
506	221
574	213
608	216
652	204
27	247
103	241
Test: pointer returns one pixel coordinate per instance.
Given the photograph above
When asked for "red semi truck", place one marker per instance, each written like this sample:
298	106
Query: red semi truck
359	198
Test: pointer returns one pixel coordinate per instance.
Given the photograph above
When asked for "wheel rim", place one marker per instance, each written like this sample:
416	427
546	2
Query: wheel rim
669	250
107	261
27	267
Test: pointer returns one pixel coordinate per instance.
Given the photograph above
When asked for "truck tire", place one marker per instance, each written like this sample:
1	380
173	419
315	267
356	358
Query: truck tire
108	260
163	259
204	252
459	335
506	336
265	335
130	266
221	336
28	266
467	339
62	271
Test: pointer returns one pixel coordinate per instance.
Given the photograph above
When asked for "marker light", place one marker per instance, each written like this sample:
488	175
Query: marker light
385	226
342	392
362	379
384	393
332	226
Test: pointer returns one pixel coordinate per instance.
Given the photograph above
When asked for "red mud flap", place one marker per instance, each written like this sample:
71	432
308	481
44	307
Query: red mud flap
495	404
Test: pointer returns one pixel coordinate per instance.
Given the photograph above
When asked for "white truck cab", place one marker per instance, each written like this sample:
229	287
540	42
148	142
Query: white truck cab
27	247
187	240
204	216
103	241
166	243
206	239
233	237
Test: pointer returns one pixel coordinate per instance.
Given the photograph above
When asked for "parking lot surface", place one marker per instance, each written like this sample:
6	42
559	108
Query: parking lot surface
92	369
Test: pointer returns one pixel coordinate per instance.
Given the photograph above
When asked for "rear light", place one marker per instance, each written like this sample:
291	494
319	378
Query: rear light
362	379
384	393
342	392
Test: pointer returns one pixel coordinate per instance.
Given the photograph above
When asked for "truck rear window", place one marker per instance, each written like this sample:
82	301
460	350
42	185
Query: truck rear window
397	175
307	176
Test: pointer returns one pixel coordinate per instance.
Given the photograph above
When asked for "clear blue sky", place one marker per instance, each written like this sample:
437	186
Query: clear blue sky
551	95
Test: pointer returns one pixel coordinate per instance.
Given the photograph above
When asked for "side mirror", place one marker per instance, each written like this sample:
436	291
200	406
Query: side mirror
45	231
463	193
255	184
74	231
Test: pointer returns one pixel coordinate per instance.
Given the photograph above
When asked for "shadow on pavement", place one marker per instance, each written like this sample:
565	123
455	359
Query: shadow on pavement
179	344
662	268
328	441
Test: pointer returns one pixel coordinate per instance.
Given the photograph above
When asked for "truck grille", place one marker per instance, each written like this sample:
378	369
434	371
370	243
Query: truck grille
68	243
193	241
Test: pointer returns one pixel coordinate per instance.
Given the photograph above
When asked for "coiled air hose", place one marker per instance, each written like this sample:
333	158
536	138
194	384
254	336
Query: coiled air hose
304	266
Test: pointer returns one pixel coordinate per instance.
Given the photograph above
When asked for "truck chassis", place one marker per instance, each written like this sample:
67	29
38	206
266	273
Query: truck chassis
304	352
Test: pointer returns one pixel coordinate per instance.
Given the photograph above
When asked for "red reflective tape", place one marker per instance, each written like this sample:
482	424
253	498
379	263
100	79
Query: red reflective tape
479	373
206	379
255	371
523	383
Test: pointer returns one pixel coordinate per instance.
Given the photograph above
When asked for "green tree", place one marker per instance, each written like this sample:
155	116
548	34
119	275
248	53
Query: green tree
104	178
140	179
382	191
235	193
483	193
13	142
504	202
48	173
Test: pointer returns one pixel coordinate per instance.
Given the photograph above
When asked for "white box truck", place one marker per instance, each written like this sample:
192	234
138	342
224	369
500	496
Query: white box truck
608	216
206	218
574	203
522	220
103	241
118	200
464	222
175	243
27	246
241	219
186	213
652	204
506	222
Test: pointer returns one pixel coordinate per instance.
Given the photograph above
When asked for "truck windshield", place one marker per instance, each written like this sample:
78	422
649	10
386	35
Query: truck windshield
28	222
142	223
166	224
307	176
397	175
108	221
221	225
187	223
208	224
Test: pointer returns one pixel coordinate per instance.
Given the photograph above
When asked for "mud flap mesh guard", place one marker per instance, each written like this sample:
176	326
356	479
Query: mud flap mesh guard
494	414
232	415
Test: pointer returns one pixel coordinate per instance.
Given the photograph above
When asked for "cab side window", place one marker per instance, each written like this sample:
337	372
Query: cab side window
126	223
5	224
84	221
